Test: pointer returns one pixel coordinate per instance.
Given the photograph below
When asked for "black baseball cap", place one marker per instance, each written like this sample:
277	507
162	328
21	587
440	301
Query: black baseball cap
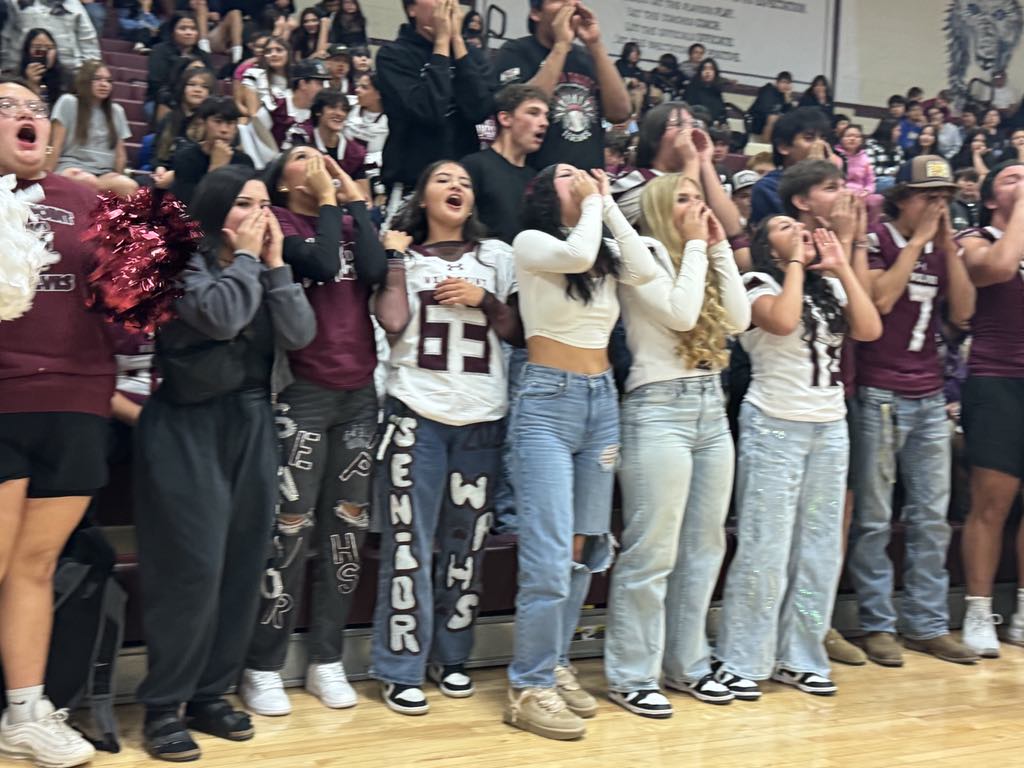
337	49
310	69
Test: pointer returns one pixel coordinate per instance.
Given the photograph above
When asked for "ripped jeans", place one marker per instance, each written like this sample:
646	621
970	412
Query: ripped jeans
438	488
324	482
565	437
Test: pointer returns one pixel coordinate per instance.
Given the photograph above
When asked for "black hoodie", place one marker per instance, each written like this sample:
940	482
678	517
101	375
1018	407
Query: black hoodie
433	104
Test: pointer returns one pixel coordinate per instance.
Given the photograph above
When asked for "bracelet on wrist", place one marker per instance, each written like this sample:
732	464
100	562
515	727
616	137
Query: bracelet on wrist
796	261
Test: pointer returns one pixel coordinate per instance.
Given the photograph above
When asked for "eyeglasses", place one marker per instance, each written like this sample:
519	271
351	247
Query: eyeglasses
12	108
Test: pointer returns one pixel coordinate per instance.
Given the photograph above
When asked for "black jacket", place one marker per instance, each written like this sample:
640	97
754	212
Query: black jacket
433	104
163	60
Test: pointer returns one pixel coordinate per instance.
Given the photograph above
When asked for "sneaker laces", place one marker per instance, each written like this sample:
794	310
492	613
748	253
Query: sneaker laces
56	723
332	674
549	700
263	680
565	677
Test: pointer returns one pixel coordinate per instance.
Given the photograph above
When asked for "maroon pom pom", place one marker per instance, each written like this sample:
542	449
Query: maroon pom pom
141	246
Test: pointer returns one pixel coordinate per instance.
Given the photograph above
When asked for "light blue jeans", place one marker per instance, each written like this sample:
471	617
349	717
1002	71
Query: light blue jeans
565	438
676	480
790	487
504	495
913	434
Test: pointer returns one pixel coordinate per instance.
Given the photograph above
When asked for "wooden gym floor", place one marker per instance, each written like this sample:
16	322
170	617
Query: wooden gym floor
929	713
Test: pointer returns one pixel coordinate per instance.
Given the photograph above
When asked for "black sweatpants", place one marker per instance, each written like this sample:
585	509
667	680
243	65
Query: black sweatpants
326	445
205	479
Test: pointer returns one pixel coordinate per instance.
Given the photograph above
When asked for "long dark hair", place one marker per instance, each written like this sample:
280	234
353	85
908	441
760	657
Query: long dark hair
86	102
273	172
628	48
214	198
302	42
55	78
542	210
883	132
412	217
816	287
344	23
652	128
819	80
176	122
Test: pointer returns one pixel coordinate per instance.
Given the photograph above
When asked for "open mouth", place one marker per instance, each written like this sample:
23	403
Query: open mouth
26	136
539	136
454	201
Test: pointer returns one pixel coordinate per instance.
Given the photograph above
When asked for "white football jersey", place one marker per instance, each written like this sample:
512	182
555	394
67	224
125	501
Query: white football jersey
794	377
447	365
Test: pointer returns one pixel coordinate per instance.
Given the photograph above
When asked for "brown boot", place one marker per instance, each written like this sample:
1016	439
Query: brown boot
883	649
840	649
943	647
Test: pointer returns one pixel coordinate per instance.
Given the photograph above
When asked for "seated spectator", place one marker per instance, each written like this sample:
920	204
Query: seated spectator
773	99
927	143
473	29
721	141
860	174
327	118
965	208
265	81
976	153
309	40
368	125
948	134
137	24
257	47
915	93
991	123
70	28
292	113
1014	149
616	147
1004	98
339	66
362	62
885	152
282	18
819	95
182	40
897	106
840	123
742	185
88	133
635	78
349	25
694	58
218	117
969	122
705	91
911	124
666	81
218	33
41	66
194	87
943	101
761	163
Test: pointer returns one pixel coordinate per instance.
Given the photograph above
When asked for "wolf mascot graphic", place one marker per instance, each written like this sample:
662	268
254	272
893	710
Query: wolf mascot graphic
984	32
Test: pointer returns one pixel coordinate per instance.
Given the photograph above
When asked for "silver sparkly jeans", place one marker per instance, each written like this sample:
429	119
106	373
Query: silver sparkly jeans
790	487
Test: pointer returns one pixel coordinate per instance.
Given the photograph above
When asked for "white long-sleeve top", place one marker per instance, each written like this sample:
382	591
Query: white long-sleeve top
655	313
543	261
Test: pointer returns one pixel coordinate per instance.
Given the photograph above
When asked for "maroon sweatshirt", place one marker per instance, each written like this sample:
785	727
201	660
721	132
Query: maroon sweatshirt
57	356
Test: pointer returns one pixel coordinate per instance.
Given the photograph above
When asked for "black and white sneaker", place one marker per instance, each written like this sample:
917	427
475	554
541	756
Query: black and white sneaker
452	680
741	688
706	689
404	699
808	682
649	702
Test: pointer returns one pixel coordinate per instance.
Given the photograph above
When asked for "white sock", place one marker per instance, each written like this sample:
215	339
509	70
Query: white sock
21	704
236	54
204	45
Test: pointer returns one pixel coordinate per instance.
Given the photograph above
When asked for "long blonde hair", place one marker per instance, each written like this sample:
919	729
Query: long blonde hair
705	345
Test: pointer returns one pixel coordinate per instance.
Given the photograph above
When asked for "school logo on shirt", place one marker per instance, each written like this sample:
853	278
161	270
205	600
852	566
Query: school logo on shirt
55	283
509	75
43	216
574	108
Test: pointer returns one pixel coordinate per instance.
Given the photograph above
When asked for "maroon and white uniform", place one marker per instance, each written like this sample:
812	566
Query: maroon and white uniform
905	359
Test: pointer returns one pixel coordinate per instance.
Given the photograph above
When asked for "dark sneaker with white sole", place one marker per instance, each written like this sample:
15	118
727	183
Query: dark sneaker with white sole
706	689
741	688
808	682
452	680
404	699
649	702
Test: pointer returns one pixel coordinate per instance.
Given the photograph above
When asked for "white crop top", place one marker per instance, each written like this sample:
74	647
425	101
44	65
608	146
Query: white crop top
543	261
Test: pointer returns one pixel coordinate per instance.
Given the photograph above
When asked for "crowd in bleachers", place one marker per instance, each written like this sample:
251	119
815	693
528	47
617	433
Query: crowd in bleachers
437	292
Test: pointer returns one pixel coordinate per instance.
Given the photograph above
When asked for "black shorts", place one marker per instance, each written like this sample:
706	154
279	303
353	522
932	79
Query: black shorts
62	454
993	420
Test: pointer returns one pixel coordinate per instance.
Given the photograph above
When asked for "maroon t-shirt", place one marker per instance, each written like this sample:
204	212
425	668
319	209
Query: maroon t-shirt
344	353
997	328
57	356
905	359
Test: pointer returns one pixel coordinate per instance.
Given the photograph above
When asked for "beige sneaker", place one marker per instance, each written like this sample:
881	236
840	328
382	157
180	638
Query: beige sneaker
842	650
883	649
543	712
569	688
944	647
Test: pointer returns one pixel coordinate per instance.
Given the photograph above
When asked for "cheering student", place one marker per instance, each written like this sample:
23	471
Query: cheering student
451	301
793	453
993	400
368	125
54	404
565	431
673	414
327	117
914	266
326	419
206	464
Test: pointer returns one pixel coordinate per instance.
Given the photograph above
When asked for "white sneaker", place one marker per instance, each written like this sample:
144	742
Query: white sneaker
979	632
47	741
263	693
452	680
329	684
1015	631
